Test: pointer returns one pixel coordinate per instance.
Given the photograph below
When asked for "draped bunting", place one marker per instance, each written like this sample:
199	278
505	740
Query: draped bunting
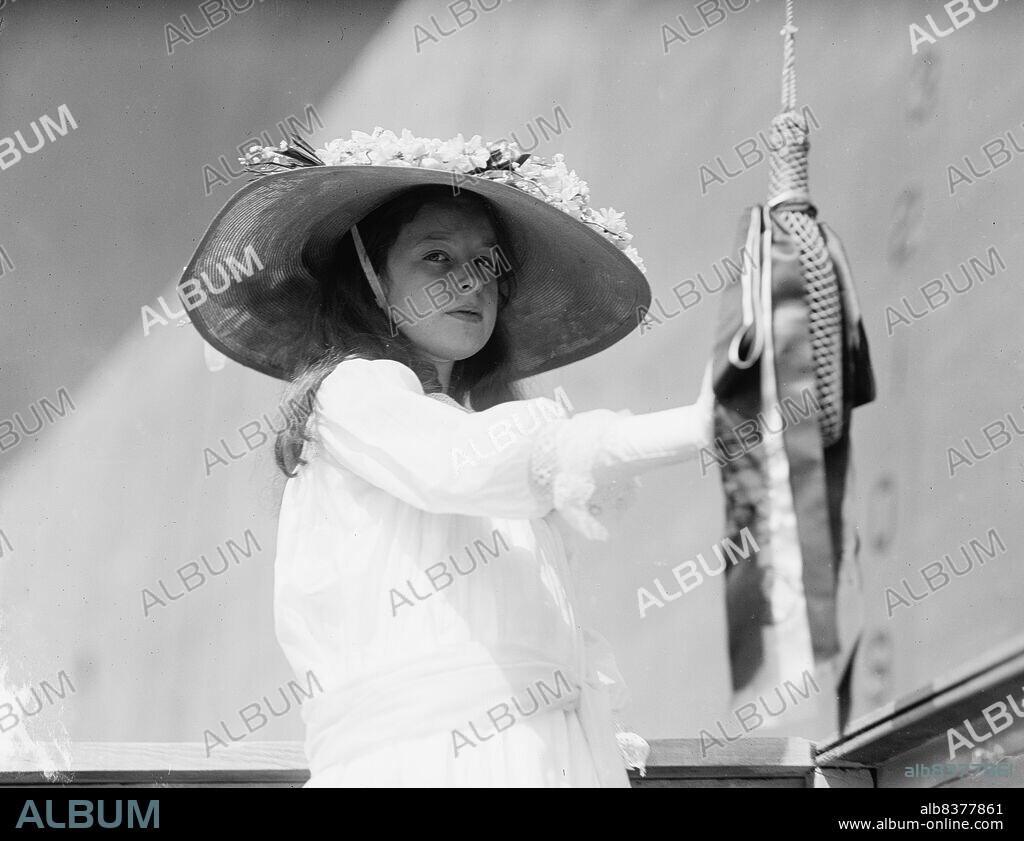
792	490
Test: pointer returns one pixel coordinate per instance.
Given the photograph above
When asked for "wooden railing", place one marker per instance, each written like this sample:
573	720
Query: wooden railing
875	751
915	730
673	762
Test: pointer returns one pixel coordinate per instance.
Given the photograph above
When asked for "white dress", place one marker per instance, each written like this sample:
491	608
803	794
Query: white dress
422	582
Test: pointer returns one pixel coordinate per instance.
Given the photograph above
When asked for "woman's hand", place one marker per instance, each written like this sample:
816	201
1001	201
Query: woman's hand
706	405
637	443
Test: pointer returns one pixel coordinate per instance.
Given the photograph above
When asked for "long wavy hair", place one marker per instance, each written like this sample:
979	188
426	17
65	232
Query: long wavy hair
346	323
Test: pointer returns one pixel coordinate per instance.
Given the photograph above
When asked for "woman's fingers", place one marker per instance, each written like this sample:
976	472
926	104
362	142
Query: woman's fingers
706	387
706	401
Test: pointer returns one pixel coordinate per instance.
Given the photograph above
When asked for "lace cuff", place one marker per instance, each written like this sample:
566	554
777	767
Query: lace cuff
565	472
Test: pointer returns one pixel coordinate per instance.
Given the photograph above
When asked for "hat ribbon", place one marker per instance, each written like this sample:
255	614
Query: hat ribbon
371	274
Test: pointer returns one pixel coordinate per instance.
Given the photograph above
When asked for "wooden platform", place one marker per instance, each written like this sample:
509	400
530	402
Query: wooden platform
673	762
873	752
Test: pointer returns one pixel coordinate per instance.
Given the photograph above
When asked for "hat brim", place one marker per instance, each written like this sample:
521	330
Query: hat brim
576	293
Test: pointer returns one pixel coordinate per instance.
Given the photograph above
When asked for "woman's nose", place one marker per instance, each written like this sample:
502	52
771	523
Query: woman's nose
466	279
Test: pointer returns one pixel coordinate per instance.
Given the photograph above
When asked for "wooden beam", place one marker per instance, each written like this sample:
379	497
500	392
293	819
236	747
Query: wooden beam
749	761
915	730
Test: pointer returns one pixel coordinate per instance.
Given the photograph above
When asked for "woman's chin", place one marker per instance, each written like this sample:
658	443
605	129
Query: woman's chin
457	351
470	340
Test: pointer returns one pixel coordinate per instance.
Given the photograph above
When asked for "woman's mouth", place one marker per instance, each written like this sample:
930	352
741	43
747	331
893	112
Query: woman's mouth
466	315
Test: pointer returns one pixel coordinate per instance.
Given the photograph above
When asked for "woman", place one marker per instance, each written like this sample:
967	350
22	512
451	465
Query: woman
426	528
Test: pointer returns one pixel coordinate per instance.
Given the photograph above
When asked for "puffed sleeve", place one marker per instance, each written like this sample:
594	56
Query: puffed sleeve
520	459
373	418
588	468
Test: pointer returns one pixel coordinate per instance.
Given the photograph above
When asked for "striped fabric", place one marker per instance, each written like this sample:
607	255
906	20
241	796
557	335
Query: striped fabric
791	362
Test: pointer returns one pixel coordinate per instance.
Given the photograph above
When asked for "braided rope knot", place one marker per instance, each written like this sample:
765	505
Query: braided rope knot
789	180
788	149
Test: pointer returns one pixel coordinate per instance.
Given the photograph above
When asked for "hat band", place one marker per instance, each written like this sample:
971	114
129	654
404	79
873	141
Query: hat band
371	275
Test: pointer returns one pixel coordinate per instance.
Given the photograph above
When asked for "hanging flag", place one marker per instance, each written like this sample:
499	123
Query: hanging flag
790	363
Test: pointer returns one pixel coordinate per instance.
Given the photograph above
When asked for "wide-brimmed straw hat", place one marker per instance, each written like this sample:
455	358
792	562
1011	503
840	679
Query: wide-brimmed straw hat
250	286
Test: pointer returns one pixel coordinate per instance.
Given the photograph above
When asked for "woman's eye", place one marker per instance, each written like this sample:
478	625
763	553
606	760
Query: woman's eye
436	257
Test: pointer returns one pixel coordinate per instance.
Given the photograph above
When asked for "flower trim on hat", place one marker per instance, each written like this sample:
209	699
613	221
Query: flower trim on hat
546	179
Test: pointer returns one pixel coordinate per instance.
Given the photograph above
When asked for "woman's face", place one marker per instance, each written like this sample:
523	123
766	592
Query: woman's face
434	276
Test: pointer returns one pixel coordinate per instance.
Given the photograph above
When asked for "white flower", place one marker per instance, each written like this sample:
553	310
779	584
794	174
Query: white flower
383	155
450	150
611	219
634	255
477	152
412	147
331	153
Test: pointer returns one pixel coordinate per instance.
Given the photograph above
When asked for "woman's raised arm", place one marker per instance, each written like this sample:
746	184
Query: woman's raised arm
520	459
638	443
